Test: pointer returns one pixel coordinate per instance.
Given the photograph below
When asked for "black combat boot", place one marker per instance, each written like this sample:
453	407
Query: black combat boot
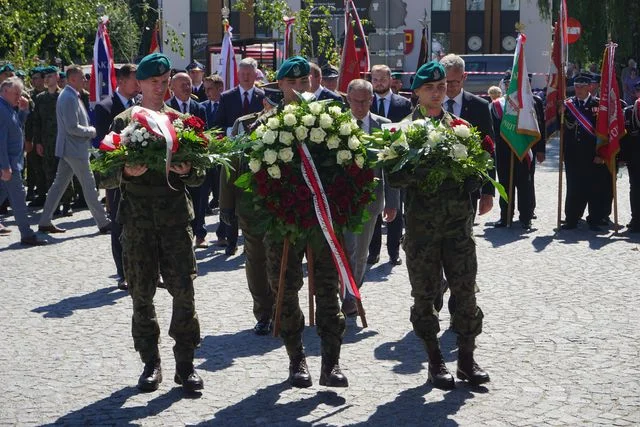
298	371
151	376
438	374
468	369
187	377
330	373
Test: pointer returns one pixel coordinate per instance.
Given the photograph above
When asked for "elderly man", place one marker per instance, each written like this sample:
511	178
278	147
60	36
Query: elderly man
387	201
72	148
12	155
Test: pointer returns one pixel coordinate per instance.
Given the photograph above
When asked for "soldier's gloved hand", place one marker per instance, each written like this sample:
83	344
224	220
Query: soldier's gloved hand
228	216
472	184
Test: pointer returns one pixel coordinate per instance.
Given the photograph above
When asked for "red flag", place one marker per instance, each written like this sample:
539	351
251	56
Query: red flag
288	45
103	72
353	62
155	37
555	83
610	122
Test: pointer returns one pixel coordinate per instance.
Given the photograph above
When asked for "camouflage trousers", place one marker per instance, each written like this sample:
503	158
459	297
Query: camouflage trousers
256	271
147	253
329	319
442	239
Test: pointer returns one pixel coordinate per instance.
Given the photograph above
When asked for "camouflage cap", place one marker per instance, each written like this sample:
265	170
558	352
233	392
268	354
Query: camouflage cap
294	67
430	72
153	65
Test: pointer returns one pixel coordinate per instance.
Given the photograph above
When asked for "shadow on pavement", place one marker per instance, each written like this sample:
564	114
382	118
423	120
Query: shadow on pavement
95	299
408	352
262	408
410	407
220	351
110	411
504	236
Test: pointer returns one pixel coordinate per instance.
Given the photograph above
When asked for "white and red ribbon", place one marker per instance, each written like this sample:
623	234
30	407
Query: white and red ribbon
110	142
323	213
581	118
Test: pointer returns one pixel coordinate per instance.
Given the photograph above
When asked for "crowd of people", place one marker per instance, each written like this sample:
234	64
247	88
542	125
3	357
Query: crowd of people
155	229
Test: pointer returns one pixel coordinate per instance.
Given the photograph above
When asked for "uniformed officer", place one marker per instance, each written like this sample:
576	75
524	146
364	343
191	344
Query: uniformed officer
630	154
35	169
587	175
45	129
157	239
293	76
439	237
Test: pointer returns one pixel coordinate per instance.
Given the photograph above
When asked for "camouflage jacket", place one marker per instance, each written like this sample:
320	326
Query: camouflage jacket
43	119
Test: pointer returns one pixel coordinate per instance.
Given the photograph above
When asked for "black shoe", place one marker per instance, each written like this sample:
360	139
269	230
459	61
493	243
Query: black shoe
299	372
373	259
569	226
106	229
526	225
349	307
500	224
122	285
595	227
32	241
395	260
187	377
38	202
66	210
79	204
534	216
468	370
263	327
151	376
332	376
231	250
438	374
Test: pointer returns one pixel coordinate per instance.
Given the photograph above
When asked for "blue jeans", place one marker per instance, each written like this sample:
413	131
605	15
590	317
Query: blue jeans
14	190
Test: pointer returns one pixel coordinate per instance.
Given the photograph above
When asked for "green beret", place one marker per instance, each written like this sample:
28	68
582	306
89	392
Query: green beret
7	67
294	67
21	74
430	72
396	76
153	65
62	75
35	70
48	70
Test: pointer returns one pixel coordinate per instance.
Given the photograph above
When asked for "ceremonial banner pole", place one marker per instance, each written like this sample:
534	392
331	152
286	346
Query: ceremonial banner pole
281	285
614	183
560	166
312	286
510	201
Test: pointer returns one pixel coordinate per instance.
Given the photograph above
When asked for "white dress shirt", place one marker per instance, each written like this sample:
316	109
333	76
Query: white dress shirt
457	106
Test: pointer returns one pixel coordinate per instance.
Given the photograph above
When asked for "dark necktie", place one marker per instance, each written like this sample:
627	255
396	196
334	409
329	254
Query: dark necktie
185	109
381	107
359	122
450	103
245	103
214	108
130	103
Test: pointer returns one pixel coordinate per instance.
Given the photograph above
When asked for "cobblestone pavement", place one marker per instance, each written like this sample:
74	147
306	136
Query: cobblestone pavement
560	338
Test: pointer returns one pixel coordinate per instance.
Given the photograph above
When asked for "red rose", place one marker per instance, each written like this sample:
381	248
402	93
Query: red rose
172	116
309	221
287	200
290	218
194	122
262	189
304	207
343	203
353	169
341	219
456	122
302	192
392	130
261	176
488	145
340	183
272	206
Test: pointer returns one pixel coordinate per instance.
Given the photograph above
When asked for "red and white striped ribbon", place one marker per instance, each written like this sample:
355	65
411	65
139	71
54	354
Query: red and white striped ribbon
110	142
323	213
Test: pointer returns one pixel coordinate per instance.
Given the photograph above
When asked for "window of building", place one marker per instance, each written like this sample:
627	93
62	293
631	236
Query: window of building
475	5
441	5
510	5
199	6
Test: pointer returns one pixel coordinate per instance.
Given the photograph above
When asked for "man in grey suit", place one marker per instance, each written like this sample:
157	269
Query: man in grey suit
72	148
387	202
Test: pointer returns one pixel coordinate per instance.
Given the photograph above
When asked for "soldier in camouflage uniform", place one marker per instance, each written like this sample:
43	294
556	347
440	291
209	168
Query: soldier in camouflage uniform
45	128
439	236
294	75
157	239
35	172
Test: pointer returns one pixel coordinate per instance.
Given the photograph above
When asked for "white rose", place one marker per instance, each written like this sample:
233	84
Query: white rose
145	143
325	121
333	142
419	123
285	154
359	160
317	135
354	125
257	145
260	130
459	151
269	137
290	108
290	119
343	156
335	110
255	165
433	137
315	108
273	123
301	133
286	137
462	131
354	142
308	120
274	171
345	129
270	156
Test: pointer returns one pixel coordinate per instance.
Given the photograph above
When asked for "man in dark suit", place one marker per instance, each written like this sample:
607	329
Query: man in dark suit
213	87
182	101
196	72
320	92
234	103
395	108
330	74
105	111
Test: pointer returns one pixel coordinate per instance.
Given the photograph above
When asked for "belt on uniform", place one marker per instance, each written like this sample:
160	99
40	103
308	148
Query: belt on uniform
149	190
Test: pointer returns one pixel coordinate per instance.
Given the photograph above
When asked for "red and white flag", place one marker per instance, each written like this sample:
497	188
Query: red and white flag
556	89
155	45
354	62
103	73
228	70
610	122
288	36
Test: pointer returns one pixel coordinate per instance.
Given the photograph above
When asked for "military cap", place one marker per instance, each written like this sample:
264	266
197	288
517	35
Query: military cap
330	72
153	65
294	67
195	66
21	74
506	77
595	78
273	95
62	75
35	70
48	70
583	79
7	67
432	71
396	76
